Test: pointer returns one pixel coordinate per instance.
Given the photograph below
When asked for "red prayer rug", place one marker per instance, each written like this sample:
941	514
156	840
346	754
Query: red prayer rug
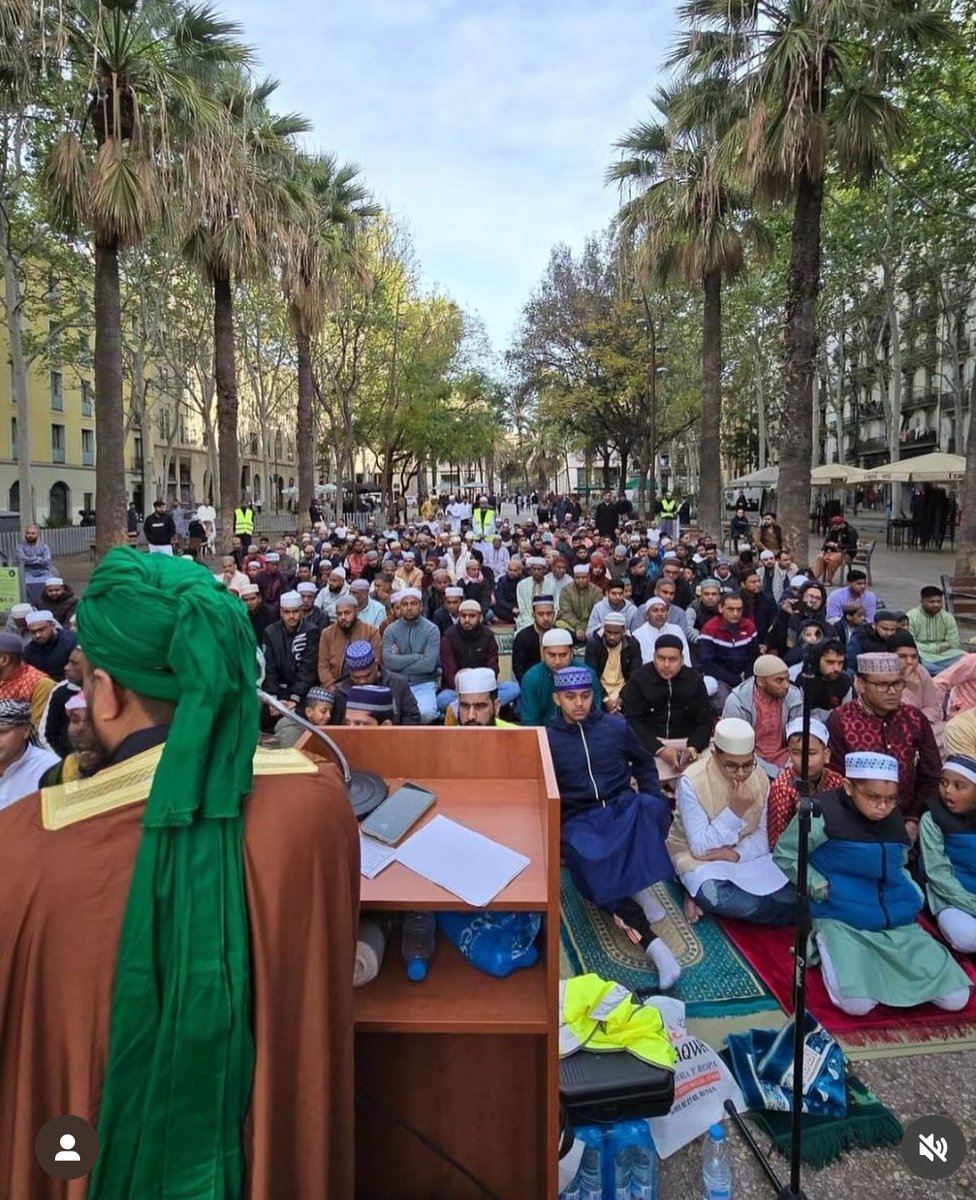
884	1031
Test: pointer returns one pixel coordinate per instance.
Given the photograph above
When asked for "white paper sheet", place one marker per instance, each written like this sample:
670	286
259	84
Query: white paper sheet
464	862
374	856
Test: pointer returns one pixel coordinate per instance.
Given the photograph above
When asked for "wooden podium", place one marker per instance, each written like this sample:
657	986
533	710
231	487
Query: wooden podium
469	1061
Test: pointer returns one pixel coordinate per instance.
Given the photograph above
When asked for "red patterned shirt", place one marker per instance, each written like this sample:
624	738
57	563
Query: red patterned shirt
905	734
784	799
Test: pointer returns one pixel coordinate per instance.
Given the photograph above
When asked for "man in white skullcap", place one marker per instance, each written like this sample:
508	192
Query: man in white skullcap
536	705
315	616
718	841
477	702
347	628
370	610
768	702
412	648
446	616
655	624
864	902
533	585
614	654
49	646
576	603
17	621
290	652
336	588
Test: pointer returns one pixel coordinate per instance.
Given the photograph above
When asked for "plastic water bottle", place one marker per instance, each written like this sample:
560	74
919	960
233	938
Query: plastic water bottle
417	943
589	1179
643	1162
716	1166
618	1159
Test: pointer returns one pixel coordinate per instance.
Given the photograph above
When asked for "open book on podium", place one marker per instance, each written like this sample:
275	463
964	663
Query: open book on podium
469	1060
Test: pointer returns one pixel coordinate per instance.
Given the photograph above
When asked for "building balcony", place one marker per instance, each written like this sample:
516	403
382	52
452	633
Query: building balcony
919	401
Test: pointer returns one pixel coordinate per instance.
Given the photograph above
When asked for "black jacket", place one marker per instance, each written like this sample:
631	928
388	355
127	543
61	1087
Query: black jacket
760	609
526	651
605	519
662	708
406	711
159	528
596	654
290	660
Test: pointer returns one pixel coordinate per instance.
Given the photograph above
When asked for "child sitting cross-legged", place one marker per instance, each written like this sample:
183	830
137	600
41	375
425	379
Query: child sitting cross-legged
784	796
864	902
947	838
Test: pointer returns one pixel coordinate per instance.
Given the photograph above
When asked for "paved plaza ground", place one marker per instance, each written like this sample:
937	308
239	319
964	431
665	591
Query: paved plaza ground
912	1087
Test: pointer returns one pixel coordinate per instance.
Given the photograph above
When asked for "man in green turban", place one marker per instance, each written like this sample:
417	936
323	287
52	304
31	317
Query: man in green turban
179	930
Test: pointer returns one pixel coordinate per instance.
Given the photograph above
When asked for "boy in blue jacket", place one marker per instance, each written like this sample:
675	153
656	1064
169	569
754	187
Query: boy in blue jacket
947	839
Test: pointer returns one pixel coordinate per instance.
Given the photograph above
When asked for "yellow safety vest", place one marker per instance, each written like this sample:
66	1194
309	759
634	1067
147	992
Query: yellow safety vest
485	524
243	520
669	508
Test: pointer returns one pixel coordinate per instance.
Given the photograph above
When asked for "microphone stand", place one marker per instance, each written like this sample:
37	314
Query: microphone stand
365	789
801	938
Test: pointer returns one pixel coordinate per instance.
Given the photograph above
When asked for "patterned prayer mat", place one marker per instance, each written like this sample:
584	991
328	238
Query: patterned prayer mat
883	1033
723	994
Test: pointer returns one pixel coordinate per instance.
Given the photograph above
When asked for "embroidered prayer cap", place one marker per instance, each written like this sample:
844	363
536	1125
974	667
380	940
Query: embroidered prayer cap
469	606
556	637
454	592
371	698
962	764
21	610
668	641
878	664
475	681
14	712
411	594
535	560
359	655
359	585
572	679
76	702
769	664
866	764
40	616
616	619
250	589
290	600
581	569
307	589
319	695
734	736
347	601
539	601
817	729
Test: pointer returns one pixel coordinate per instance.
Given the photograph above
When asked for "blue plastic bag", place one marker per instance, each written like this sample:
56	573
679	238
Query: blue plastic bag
497	943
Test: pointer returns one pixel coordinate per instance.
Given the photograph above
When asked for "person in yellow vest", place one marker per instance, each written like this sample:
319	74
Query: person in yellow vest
483	520
669	515
477	703
244	524
719	843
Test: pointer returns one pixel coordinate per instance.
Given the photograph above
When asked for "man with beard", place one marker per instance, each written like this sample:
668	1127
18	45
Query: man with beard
335	641
188	992
81	759
440	581
477	704
536	705
290	654
614	654
53	726
412	647
363	669
261	615
535	584
577	602
506	591
22	761
831	686
446	617
768	702
757	606
59	599
657	622
470	643
314	616
334	590
703	608
527	643
49	646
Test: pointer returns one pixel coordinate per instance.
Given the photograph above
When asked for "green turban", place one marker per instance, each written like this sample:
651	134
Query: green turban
181	1052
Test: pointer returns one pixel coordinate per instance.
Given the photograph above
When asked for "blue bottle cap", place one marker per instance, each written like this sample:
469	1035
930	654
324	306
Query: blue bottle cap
417	970
717	1133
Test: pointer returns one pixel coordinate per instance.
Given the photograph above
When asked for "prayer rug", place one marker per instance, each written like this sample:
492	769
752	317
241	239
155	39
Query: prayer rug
824	1139
722	993
884	1032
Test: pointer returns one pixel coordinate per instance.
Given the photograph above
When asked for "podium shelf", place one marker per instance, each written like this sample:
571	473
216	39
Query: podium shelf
454	998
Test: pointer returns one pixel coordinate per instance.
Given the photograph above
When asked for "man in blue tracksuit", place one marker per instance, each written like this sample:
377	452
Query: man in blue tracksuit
613	838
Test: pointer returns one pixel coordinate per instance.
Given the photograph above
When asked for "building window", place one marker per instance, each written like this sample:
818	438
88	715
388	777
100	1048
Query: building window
57	391
57	443
13	438
87	399
137	454
89	501
87	447
14	497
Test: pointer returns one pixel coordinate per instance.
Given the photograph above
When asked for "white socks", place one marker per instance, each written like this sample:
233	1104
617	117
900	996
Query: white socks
653	908
668	967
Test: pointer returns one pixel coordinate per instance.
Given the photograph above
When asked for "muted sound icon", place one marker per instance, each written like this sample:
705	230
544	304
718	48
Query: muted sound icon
933	1148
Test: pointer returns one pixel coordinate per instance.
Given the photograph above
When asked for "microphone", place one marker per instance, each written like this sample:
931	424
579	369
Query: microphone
366	790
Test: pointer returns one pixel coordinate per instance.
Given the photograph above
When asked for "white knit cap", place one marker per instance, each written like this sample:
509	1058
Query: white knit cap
306	588
735	736
54	582
817	729
41	616
340	571
475	681
556	637
581	569
655	602
411	593
290	600
769	664
866	764
21	610
617	619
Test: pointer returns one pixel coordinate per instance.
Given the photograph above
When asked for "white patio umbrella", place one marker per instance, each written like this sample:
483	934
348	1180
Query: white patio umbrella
926	468
767	477
835	475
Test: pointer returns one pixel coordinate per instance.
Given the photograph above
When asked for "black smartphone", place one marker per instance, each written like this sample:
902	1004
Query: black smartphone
389	821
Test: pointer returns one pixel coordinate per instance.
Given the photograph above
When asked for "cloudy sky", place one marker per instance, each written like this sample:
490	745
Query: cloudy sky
486	125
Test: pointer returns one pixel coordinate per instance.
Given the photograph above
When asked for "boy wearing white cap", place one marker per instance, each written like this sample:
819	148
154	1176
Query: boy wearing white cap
784	796
864	902
536	705
718	841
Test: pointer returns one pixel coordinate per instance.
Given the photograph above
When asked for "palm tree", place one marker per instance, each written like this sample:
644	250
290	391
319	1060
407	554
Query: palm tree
234	235
692	220
320	252
813	78
141	127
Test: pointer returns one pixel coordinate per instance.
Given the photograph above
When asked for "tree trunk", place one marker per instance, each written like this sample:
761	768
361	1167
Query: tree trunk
18	377
710	495
800	340
225	377
306	429
966	533
761	414
109	423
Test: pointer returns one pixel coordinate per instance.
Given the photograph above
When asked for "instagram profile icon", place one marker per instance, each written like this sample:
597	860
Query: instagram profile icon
66	1147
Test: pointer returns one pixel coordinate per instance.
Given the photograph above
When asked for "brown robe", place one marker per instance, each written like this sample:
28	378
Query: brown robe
62	898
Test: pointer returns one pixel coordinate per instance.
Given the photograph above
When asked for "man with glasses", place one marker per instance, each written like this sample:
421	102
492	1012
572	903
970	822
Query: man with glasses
718	841
878	721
